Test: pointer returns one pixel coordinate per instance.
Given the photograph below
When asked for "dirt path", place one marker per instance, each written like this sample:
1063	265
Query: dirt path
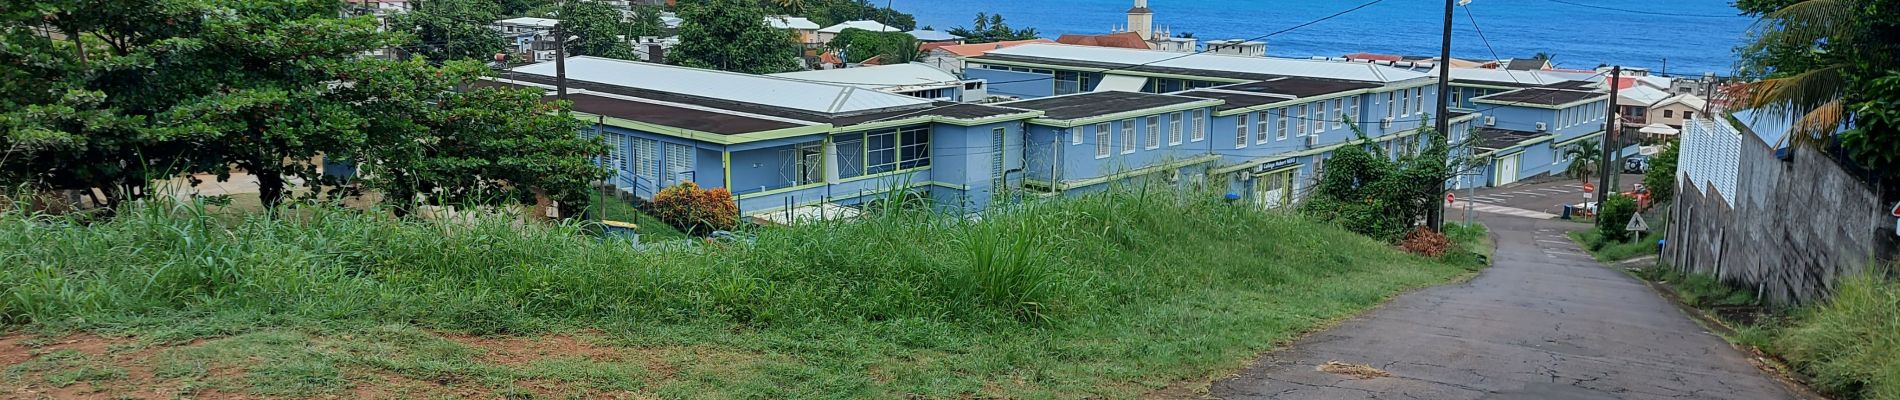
1544	322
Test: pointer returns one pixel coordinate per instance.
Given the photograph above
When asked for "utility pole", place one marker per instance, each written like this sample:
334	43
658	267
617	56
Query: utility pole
1610	150
560	62
1435	220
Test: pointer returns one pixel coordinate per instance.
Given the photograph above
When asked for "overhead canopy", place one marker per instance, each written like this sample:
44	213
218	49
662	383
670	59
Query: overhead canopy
1121	83
1659	129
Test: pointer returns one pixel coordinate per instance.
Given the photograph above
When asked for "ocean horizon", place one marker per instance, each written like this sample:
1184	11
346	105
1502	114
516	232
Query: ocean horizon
1680	37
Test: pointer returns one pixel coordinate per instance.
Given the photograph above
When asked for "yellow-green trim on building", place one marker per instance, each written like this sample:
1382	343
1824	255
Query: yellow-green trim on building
1066	185
1519	147
1071	123
1317	150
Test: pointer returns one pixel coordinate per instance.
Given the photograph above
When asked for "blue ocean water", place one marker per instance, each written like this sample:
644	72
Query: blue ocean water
1689	36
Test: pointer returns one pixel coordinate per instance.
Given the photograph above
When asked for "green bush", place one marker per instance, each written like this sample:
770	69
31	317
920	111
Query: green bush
1660	179
1614	216
1850	346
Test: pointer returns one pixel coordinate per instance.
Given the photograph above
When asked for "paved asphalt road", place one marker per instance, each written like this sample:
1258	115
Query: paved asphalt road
1544	322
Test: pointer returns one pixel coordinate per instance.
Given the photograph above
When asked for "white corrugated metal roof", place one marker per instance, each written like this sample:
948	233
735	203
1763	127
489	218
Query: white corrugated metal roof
1216	62
877	77
873	26
1686	99
530	21
784	22
932	36
745	88
1640	96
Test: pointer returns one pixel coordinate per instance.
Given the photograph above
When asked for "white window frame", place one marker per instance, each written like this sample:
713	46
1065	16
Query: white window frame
1154	132
1261	134
1401	104
1299	124
1174	129
1240	130
1128	136
1418	101
1354	103
1075	136
1319	116
1104	141
1281	122
1199	125
1339	113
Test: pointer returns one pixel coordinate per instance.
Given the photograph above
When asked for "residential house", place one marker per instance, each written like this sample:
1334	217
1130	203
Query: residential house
1633	103
803	30
950	58
915	80
780	144
528	35
1676	109
827	33
1527	64
1237	47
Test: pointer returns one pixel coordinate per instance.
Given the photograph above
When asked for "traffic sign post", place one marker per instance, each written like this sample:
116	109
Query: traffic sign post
1450	198
1637	224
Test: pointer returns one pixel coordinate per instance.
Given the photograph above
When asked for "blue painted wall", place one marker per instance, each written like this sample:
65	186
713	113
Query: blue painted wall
1054	151
1011	83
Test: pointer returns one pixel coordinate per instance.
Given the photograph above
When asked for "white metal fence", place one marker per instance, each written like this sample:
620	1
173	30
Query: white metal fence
1711	155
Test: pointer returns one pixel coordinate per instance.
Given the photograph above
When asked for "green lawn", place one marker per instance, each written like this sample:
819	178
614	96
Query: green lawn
1104	296
650	228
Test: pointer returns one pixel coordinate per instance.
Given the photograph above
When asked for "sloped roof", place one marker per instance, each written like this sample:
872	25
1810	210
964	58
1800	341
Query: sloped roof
728	86
530	21
877	77
933	36
977	49
1505	77
1689	100
1527	64
868	25
1125	40
1374	57
1639	96
1208	64
786	22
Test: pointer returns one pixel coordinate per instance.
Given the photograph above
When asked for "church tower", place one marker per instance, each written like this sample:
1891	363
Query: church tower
1141	21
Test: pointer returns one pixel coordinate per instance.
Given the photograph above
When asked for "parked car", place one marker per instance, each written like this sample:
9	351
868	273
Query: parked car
1636	164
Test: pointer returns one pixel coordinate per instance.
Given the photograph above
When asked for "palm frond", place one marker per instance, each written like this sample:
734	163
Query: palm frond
1800	92
1815	127
1814	20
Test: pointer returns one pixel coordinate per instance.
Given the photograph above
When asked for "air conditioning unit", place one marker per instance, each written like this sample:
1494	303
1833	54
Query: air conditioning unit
1490	121
1385	123
1541	127
1312	140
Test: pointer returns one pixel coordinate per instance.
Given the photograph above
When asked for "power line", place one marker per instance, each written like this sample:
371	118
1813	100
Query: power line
1487	42
1665	14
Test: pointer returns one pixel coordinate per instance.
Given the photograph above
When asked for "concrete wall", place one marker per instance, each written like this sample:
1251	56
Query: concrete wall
1792	230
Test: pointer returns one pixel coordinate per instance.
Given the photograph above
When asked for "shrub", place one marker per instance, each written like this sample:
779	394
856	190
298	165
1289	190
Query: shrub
1425	242
1660	179
1614	215
1851	345
696	211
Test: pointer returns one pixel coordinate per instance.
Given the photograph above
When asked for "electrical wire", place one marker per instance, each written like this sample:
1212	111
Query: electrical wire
1665	14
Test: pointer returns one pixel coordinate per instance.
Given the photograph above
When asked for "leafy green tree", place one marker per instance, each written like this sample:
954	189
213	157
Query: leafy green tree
597	29
1616	212
451	29
525	8
831	12
148	88
645	22
1586	159
1829	61
488	146
731	35
858	45
1366	192
991	28
1660	179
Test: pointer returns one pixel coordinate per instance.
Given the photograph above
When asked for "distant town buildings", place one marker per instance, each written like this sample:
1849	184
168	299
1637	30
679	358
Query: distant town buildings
915	80
950	58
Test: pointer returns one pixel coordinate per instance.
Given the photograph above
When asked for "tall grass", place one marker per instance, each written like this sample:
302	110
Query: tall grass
1851	345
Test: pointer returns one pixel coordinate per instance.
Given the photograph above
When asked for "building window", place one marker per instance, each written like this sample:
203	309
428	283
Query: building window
1669	113
897	149
1240	130
1458	98
646	158
1075	135
1283	122
1299	120
1319	117
1154	131
679	163
1068	82
1102	145
1418	100
1174	129
1688	114
1339	113
1261	132
1353	111
1128	136
1400	105
1199	128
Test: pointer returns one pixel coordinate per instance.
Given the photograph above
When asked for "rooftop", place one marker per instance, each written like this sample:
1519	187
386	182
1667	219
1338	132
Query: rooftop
1689	100
977	49
734	87
933	36
1539	96
1234	100
868	25
1298	86
1640	96
877	77
1093	104
1125	40
1199	64
1494	139
787	22
530	21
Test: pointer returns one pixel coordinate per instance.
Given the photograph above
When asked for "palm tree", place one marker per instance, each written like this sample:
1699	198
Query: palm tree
1585	159
1807	32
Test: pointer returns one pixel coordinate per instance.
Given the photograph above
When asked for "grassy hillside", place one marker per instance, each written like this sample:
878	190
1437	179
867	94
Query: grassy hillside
1104	296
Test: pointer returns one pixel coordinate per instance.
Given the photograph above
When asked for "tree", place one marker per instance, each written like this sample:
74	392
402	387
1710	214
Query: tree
524	8
598	29
990	28
1660	179
858	45
148	88
831	12
451	29
1376	196
1828	61
482	146
731	35
1586	159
